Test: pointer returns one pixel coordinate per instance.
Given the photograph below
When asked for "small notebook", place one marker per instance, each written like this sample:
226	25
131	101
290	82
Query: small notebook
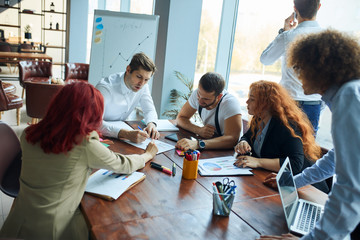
109	185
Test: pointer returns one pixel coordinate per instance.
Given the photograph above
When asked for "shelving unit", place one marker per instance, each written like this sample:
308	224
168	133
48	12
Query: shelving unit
39	15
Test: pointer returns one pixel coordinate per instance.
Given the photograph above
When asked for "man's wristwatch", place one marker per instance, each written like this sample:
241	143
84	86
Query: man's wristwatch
281	30
201	144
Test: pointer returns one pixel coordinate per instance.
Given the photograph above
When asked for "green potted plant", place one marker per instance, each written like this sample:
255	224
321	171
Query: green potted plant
27	30
178	98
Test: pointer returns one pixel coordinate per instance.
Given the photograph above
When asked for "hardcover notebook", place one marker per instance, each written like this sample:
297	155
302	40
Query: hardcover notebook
109	185
301	215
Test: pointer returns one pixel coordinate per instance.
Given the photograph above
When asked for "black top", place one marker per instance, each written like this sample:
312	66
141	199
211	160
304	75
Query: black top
279	143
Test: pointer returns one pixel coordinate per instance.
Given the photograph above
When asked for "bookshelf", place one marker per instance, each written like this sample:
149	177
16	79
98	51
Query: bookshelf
48	20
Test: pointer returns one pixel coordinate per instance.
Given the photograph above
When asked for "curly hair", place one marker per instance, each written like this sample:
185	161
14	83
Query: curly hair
273	97
325	59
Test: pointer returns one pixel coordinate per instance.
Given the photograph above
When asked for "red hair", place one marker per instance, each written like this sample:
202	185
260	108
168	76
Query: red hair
74	112
272	96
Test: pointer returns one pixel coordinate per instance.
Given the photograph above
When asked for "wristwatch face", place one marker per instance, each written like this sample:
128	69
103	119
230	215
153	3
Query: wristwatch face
201	144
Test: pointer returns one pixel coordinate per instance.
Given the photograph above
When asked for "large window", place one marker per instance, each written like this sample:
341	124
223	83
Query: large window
256	27
208	38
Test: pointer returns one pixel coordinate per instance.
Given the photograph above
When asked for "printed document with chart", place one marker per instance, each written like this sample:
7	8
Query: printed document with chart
221	166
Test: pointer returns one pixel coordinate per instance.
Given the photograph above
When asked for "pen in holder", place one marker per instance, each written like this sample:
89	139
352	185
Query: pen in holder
190	169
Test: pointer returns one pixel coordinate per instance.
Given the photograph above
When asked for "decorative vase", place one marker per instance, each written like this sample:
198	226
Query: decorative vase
27	35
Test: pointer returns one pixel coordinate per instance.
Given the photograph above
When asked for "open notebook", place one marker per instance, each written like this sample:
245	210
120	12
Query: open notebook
109	185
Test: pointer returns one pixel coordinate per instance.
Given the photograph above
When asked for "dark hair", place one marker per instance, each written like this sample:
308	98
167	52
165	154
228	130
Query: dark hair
212	82
272	96
307	8
143	61
326	58
76	110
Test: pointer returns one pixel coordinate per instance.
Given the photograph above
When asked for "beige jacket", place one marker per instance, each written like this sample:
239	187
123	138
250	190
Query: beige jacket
52	185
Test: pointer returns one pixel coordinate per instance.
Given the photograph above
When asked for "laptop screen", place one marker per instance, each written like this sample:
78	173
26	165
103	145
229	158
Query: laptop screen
287	189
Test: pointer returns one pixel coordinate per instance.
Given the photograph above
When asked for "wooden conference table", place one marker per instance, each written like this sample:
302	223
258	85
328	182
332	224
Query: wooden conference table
166	207
15	57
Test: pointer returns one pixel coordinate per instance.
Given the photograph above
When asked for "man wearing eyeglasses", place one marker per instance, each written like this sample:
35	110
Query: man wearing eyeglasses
301	21
219	111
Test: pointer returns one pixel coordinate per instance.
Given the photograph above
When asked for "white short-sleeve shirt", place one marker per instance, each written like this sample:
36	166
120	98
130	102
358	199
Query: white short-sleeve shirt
229	107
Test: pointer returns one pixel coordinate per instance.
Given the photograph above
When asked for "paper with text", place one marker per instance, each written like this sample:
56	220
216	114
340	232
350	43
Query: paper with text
162	146
108	183
165	126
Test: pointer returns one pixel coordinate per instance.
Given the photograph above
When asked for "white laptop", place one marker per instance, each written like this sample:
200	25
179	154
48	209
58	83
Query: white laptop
301	215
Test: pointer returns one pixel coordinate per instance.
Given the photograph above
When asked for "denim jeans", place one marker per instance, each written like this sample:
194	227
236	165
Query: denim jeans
313	113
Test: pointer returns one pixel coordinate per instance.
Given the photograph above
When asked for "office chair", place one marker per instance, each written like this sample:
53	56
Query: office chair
10	161
6	47
34	71
76	71
10	101
38	98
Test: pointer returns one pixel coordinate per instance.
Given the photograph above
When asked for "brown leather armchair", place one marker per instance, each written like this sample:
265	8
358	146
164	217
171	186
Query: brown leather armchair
10	161
38	97
10	101
9	88
6	47
34	71
76	71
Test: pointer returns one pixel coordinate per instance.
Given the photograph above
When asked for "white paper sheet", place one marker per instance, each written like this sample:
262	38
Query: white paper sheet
221	166
111	184
165	126
162	146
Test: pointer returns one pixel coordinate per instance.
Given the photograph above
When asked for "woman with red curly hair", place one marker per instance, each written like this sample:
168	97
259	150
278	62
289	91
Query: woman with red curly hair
58	154
278	129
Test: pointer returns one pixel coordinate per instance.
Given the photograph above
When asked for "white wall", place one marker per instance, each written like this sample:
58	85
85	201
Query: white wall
78	30
176	47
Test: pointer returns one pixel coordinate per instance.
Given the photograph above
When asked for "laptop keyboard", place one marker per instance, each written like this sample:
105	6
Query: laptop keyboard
308	217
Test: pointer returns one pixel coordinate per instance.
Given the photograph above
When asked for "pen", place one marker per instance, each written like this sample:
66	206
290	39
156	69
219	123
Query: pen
173	169
140	128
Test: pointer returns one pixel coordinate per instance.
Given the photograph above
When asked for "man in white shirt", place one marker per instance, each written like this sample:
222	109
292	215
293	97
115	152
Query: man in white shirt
220	112
122	92
305	14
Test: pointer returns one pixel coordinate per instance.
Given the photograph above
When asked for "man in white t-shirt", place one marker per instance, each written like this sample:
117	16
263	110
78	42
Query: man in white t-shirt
122	92
220	112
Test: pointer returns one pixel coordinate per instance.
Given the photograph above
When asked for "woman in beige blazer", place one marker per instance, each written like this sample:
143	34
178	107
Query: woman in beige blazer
58	155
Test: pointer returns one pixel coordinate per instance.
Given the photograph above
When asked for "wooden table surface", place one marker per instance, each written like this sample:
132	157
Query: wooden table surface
15	57
167	207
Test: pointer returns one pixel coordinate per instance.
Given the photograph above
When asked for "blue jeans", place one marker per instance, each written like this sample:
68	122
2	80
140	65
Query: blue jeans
313	113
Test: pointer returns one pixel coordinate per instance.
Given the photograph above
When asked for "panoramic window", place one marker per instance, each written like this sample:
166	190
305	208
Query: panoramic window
208	38
257	27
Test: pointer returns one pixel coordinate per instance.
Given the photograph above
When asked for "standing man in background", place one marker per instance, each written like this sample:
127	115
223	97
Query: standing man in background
301	21
122	92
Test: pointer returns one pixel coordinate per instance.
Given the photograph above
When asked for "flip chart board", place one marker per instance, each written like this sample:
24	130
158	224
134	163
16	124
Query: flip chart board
117	36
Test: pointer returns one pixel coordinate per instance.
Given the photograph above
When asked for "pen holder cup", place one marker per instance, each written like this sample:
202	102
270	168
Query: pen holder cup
190	169
222	203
